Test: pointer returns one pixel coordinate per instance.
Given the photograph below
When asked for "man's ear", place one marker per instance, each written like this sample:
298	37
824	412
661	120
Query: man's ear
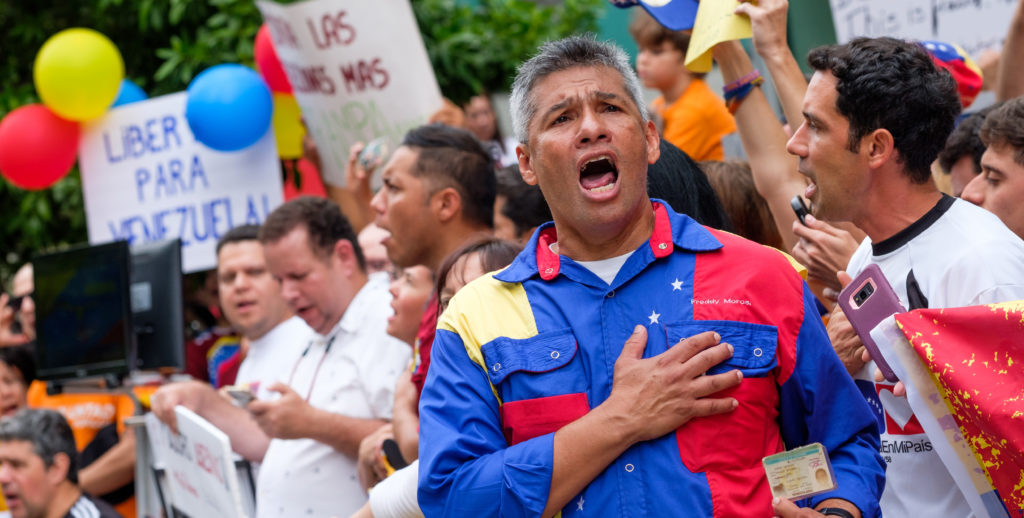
446	204
344	256
881	147
58	471
653	142
525	166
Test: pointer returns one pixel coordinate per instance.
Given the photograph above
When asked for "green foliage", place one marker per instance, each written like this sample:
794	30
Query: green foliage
473	46
476	48
164	43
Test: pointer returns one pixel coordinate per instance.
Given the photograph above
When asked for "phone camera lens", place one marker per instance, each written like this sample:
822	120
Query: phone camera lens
863	294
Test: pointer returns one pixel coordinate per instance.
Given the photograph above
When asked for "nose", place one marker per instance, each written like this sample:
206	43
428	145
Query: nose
393	288
377	203
797	144
974	191
592	127
289	291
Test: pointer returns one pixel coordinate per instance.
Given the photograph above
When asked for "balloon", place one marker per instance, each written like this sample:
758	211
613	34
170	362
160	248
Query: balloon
267	62
288	128
78	73
228	107
129	93
37	148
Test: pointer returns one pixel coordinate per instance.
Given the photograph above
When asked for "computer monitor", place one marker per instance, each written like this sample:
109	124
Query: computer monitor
157	306
83	312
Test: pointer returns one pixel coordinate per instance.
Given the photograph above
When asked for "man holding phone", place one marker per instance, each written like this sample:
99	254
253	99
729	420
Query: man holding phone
876	114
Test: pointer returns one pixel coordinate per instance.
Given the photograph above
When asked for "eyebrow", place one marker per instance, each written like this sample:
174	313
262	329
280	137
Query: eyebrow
604	96
987	168
812	118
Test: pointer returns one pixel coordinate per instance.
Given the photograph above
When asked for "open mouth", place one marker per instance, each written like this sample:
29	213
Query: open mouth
245	305
7	410
598	174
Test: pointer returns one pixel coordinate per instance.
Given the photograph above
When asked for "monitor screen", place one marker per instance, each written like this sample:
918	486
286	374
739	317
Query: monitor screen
157	305
83	314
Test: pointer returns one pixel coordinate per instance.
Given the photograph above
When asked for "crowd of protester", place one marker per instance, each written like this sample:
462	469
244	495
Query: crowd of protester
496	329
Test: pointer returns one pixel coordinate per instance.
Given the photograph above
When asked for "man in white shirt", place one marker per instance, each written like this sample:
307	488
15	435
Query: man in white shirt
876	114
306	426
252	303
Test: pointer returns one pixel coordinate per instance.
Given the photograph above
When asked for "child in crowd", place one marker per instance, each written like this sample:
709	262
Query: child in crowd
693	117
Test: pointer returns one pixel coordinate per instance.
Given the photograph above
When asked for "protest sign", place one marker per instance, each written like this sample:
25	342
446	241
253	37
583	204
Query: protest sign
358	70
972	24
146	178
201	477
714	24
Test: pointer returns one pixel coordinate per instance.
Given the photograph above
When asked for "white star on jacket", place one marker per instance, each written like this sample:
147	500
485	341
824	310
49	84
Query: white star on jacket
654	317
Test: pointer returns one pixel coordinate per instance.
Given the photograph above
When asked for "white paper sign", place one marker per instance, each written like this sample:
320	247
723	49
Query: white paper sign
359	71
975	25
200	473
146	178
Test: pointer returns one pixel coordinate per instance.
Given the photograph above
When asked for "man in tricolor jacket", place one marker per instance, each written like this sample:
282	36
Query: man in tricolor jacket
629	362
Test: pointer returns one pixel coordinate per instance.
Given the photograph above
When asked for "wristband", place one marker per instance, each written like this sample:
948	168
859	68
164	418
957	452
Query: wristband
752	75
835	511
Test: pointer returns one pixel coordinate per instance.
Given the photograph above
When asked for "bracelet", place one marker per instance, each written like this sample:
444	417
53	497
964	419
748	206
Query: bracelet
752	75
735	96
835	511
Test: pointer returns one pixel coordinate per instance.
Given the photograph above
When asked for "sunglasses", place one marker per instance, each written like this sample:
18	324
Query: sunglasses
15	302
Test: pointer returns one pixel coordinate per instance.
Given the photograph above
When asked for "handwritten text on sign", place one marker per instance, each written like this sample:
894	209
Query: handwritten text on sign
975	25
358	69
145	178
198	462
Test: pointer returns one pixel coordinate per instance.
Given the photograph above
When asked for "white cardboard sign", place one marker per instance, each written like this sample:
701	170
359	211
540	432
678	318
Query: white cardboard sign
358	70
200	473
975	25
146	178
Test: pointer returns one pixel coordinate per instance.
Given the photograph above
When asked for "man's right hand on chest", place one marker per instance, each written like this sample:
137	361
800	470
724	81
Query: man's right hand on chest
659	394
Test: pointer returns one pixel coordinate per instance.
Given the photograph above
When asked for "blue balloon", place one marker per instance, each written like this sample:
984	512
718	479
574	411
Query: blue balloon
129	93
229	107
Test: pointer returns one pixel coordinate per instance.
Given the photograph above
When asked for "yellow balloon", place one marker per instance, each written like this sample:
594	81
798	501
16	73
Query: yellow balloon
288	128
78	73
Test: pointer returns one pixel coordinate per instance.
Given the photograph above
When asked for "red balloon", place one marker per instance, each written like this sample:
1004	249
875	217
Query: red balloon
269	66
37	148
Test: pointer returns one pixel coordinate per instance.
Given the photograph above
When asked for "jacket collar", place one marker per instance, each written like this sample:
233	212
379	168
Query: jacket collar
671	230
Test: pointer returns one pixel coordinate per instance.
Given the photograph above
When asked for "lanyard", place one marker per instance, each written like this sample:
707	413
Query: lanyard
316	371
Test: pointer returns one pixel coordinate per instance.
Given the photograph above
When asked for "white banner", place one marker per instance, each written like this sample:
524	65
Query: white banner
359	71
198	464
146	178
975	25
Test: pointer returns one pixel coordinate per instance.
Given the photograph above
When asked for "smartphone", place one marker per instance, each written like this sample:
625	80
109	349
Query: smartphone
241	396
800	208
15	304
375	153
866	301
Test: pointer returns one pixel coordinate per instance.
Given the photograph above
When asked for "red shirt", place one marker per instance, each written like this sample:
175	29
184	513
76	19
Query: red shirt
424	339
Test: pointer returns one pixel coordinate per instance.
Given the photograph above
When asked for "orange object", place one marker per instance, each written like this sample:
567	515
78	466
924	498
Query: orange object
696	122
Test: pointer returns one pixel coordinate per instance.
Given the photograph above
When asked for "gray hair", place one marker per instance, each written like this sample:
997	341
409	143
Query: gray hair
555	56
49	434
